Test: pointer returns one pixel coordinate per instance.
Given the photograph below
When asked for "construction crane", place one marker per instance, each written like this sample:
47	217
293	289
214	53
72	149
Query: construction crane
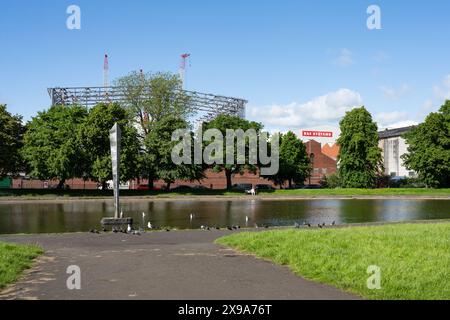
106	72
184	58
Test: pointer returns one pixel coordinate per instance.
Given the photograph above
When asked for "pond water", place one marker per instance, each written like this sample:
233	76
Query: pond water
76	216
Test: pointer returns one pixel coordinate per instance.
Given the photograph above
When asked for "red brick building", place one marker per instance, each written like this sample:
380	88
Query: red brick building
322	159
322	164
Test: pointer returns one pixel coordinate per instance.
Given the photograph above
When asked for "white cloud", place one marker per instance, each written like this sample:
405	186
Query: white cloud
345	58
326	109
394	119
442	91
428	105
399	124
395	94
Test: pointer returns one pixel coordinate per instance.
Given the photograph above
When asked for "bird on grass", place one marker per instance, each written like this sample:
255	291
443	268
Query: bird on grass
149	225
217	228
320	226
333	223
129	229
230	228
167	230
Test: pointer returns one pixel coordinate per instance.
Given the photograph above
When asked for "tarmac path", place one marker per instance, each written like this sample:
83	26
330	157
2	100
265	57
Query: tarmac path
178	265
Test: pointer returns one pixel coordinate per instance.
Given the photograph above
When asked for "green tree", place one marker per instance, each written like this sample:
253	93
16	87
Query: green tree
429	148
222	123
93	137
51	149
150	98
159	141
11	135
360	160
294	161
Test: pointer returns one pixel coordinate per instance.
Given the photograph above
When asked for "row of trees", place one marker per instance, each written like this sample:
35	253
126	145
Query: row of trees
360	159
67	142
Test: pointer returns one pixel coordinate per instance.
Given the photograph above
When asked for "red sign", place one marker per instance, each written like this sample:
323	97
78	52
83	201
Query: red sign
317	134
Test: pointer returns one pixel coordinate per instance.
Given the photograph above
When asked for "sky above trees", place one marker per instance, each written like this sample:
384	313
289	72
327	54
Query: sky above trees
301	64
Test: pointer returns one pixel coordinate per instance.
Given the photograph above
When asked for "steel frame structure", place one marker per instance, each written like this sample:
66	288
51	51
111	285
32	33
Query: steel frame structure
207	106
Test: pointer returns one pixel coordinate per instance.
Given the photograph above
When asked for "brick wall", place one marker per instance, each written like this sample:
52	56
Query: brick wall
322	164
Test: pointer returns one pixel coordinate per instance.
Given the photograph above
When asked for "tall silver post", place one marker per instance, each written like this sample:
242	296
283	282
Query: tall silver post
115	137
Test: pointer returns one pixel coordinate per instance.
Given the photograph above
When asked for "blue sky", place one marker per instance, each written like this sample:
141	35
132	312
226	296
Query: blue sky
301	64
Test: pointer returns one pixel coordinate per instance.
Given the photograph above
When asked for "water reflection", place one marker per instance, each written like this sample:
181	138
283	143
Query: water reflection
85	215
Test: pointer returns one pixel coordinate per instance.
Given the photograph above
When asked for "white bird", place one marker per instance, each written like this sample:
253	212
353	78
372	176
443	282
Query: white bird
192	216
246	219
149	225
129	228
143	215
121	214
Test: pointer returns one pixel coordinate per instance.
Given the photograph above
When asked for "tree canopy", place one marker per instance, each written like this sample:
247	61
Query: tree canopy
50	146
429	148
294	161
149	99
11	135
222	123
159	142
93	137
360	160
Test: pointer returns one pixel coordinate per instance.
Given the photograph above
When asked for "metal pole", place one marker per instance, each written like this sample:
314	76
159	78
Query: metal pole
115	138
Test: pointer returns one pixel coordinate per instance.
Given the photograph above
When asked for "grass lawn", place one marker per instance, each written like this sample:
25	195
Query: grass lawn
14	259
51	194
414	258
367	192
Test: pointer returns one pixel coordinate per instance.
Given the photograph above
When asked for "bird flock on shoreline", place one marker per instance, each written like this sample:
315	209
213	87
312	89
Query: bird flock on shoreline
150	227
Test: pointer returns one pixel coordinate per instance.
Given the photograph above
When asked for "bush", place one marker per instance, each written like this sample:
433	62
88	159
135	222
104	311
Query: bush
406	183
331	182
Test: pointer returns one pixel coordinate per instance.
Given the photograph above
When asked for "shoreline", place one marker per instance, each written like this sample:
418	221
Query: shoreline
244	229
204	198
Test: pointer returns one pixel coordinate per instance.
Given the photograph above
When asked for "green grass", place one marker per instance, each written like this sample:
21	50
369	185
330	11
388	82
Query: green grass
414	258
367	192
14	259
51	194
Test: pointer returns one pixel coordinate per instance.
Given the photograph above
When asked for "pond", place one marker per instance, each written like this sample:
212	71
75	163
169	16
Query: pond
76	216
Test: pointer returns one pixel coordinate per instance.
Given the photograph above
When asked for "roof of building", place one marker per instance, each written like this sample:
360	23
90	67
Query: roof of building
391	133
331	151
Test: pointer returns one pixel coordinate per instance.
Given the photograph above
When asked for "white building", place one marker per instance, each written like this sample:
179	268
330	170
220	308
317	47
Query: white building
394	146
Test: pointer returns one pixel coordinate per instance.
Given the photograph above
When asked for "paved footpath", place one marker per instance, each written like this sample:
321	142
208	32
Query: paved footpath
180	265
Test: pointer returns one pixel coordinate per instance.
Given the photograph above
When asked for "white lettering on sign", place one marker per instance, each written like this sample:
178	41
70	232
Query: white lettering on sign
318	134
